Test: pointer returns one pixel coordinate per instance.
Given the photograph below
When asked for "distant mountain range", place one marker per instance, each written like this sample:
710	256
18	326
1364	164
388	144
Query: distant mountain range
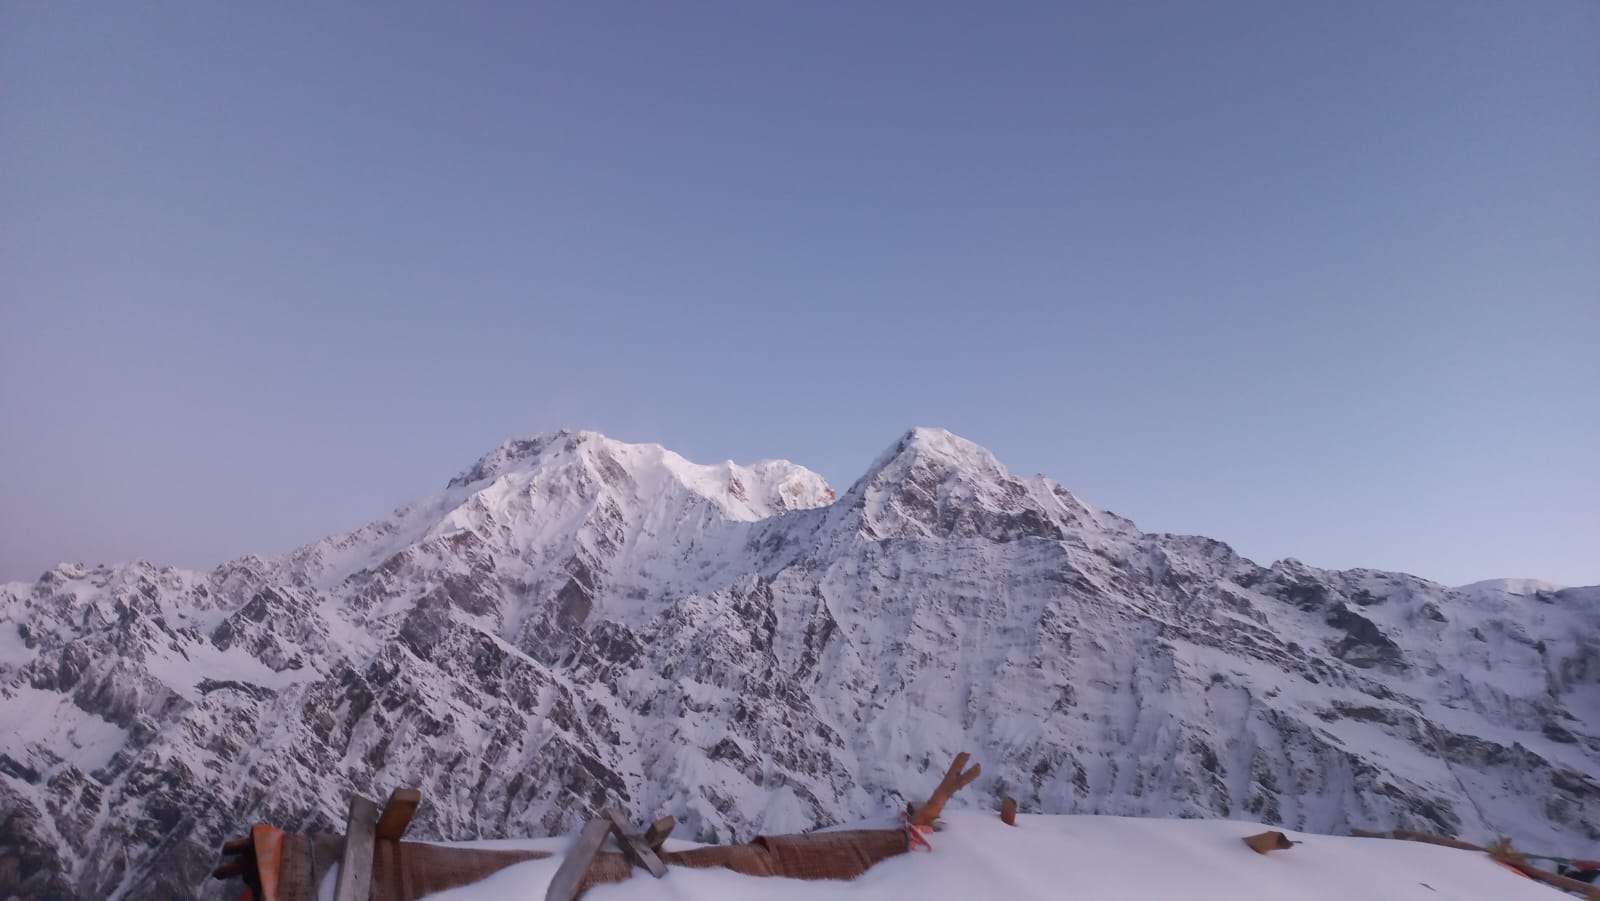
574	621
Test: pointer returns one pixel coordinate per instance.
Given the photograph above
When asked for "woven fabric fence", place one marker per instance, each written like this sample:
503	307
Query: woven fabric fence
407	871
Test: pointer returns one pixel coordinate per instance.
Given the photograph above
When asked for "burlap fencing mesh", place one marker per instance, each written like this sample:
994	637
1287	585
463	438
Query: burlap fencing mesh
817	855
832	855
408	871
295	882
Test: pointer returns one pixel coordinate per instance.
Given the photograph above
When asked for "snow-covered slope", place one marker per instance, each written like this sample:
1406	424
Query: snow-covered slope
574	620
1045	858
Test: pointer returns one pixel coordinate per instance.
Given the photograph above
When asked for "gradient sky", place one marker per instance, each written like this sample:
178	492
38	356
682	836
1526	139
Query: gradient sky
1320	280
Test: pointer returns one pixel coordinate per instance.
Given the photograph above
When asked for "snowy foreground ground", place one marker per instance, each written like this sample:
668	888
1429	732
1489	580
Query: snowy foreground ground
1082	857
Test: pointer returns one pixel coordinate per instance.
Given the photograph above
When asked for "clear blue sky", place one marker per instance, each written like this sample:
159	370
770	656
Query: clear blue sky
1320	280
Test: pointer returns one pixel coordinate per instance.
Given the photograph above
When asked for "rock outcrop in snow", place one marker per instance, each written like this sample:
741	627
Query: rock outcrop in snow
574	620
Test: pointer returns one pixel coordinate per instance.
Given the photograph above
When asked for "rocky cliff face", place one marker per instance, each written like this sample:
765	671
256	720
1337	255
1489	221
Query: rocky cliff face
574	621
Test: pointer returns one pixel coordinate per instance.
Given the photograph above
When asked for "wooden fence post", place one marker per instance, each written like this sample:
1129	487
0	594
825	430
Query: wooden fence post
355	866
397	813
634	846
564	885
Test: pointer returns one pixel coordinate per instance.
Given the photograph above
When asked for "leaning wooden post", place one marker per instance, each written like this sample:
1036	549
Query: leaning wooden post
633	846
564	884
1429	838
238	859
954	780
256	858
656	835
268	842
1008	811
397	814
355	866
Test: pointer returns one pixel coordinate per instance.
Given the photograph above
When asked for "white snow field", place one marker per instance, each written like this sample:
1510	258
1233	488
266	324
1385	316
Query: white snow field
1095	858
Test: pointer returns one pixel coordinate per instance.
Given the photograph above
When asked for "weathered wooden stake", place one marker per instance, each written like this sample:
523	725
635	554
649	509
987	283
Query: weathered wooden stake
954	780
355	866
239	858
564	885
397	813
267	841
656	835
1008	811
634	846
1273	840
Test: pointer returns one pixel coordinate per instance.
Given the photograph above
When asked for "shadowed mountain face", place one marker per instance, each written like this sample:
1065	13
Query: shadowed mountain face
575	621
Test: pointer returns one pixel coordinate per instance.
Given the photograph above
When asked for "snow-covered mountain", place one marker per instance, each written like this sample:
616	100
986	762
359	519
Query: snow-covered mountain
574	620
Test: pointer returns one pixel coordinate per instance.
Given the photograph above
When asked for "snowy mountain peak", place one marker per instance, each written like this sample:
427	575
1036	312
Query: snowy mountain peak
521	450
497	460
558	506
937	445
929	455
745	493
933	483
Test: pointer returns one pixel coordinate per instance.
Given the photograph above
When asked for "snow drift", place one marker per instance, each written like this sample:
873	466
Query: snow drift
1104	858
